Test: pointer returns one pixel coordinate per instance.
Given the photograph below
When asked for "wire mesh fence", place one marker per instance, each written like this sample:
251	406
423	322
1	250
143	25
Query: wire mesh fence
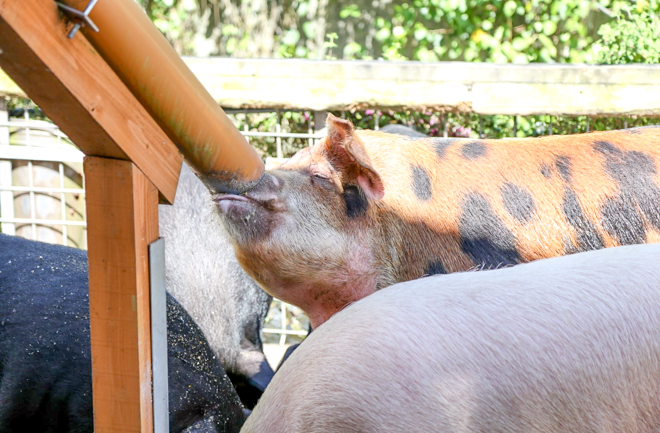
281	133
41	181
42	187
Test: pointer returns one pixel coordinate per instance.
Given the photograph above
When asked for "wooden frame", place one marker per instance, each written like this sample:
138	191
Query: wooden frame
122	213
132	161
480	88
76	89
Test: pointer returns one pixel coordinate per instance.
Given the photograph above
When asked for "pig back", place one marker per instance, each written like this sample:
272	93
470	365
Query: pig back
568	344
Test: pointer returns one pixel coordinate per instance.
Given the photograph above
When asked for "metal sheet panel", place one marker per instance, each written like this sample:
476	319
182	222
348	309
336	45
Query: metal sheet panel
159	335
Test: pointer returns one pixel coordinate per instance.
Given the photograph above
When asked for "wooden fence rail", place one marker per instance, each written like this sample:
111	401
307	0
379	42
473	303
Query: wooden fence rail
481	88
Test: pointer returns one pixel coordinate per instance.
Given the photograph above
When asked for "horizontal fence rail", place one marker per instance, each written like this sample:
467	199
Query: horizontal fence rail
480	88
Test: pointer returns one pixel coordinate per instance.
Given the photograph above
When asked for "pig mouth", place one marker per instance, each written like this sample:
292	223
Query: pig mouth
240	206
230	197
230	203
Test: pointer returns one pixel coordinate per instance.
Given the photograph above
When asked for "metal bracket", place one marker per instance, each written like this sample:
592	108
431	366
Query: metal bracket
82	17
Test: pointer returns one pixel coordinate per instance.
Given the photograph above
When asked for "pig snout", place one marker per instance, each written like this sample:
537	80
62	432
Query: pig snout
251	209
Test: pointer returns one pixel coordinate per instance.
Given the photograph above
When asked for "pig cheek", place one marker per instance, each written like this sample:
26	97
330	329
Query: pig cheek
252	264
247	225
295	256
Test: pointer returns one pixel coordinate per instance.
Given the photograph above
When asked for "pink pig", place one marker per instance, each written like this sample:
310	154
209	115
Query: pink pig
561	345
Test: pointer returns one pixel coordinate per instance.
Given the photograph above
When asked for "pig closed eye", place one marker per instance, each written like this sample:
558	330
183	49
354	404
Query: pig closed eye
323	181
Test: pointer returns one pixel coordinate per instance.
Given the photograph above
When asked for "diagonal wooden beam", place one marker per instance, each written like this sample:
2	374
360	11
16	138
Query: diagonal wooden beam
76	88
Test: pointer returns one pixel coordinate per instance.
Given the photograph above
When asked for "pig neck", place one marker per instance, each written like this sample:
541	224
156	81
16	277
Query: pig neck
333	292
410	250
350	277
332	298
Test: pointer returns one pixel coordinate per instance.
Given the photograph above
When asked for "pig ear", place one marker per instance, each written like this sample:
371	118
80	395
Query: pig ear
348	155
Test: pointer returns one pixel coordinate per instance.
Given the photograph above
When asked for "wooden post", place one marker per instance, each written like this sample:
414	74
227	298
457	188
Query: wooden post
6	197
122	218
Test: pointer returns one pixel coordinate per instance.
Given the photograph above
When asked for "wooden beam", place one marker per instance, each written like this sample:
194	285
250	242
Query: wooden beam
572	90
481	88
122	220
74	86
141	56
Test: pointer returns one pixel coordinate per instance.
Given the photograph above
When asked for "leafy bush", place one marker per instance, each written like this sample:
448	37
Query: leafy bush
632	40
517	31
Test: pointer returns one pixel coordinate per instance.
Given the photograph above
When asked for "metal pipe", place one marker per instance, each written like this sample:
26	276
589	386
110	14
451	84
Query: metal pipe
165	86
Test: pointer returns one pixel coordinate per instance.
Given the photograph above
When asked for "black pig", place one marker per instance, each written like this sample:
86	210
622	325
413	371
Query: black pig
45	366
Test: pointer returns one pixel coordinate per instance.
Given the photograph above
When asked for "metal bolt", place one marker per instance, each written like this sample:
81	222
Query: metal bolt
82	16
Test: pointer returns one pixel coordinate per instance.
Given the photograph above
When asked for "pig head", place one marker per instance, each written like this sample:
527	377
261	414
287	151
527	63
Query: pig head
362	210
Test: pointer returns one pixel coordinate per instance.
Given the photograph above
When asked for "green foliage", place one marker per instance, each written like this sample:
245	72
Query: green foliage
512	31
179	21
498	126
515	31
635	39
330	44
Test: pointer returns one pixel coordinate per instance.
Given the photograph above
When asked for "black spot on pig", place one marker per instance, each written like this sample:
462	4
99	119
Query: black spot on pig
606	148
474	150
622	222
421	183
639	194
434	268
587	237
563	165
440	145
356	201
546	171
518	202
484	237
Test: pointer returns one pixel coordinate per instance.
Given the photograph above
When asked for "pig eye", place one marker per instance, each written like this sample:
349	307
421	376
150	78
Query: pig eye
322	181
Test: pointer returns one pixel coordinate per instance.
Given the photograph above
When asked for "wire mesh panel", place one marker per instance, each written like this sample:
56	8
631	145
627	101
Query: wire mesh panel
41	181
